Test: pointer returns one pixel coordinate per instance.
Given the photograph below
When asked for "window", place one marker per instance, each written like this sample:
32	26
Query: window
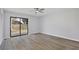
18	26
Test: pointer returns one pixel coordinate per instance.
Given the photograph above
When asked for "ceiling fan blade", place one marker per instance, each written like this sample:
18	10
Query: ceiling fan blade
36	9
42	9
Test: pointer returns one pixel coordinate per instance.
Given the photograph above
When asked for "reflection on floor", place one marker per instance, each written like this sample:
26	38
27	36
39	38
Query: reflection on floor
39	42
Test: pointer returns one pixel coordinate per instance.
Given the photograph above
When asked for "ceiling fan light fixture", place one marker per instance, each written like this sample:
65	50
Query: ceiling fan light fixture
39	10
36	11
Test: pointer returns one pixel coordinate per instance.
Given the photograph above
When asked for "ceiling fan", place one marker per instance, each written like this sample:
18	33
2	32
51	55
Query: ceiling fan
39	10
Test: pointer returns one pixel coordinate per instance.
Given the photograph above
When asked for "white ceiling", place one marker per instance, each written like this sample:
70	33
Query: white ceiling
29	11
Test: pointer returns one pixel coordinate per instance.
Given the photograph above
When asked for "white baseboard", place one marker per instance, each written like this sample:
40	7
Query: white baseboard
1	41
63	37
56	36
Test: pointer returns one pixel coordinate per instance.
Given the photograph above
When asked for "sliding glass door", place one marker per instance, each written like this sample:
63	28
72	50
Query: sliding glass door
18	26
24	26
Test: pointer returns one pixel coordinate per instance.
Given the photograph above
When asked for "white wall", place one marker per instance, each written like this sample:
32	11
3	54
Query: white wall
1	24
33	23
62	23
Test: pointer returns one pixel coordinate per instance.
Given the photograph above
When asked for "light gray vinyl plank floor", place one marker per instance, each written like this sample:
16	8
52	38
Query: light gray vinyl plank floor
39	41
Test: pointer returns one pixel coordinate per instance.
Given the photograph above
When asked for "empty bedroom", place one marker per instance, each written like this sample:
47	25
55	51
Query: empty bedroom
39	28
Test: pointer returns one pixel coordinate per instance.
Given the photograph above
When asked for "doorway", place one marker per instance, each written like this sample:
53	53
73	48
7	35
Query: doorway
18	26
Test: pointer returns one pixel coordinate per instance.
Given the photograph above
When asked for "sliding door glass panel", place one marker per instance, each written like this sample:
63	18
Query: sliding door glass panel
24	26
15	26
19	26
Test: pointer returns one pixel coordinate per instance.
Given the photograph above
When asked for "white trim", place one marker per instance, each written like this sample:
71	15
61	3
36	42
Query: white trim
63	37
1	42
